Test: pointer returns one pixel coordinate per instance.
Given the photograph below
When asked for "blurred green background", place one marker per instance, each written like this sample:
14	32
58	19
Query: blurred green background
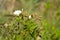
45	20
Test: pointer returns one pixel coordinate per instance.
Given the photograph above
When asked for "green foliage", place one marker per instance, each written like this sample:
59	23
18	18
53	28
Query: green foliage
50	32
20	29
23	28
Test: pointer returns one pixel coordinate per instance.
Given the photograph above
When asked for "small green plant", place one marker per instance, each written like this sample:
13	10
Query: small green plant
20	28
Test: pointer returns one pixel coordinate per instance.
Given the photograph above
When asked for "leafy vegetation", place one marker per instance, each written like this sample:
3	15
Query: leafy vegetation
43	25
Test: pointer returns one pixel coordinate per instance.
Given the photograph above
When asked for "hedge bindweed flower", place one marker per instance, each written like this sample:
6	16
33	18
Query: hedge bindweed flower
17	12
29	16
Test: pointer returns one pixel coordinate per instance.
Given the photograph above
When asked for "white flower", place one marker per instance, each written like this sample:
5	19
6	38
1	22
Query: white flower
6	25
17	12
29	16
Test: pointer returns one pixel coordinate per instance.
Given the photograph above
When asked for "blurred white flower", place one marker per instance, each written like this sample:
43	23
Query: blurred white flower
17	12
6	25
38	38
29	16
